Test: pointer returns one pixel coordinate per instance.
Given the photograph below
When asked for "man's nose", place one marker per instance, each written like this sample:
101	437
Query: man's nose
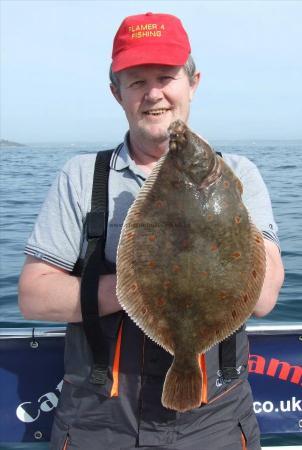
153	93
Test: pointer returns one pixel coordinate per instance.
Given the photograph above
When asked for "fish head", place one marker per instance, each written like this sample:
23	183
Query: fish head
191	154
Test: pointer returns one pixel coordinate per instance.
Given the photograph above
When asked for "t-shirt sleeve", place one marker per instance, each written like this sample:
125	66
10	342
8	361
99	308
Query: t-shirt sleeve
57	234
257	199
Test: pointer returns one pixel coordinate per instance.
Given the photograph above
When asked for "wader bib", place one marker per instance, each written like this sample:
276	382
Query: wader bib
114	374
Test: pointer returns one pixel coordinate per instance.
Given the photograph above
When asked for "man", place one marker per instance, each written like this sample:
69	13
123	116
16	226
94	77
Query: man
153	77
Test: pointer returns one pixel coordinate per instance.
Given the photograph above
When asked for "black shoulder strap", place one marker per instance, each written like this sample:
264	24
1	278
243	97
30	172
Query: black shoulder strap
227	353
94	266
227	358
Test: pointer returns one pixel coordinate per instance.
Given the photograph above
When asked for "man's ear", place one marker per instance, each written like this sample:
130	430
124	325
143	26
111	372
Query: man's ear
194	84
116	93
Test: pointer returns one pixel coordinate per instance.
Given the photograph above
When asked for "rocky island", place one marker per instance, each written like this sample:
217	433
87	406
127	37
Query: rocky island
5	143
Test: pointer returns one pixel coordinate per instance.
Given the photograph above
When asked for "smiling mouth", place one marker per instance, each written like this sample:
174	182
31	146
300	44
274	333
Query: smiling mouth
156	112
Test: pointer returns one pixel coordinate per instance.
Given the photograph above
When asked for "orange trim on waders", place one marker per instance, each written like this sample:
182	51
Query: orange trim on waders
66	442
243	442
203	366
116	364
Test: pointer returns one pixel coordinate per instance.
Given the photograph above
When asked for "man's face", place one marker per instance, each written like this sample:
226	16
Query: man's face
153	96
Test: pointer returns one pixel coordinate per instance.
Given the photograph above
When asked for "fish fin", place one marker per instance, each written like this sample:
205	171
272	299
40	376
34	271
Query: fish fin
182	390
250	293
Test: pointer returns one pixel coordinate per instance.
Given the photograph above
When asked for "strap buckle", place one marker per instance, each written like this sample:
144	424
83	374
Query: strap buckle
229	373
98	374
96	224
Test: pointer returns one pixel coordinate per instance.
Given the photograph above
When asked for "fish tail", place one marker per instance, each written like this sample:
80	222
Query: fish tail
183	388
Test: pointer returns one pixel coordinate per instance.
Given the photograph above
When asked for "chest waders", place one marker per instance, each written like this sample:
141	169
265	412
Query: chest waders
95	264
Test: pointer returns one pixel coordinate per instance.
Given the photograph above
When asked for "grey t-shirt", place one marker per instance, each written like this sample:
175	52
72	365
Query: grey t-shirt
58	236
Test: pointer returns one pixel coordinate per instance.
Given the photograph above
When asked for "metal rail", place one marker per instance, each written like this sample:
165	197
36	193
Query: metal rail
268	328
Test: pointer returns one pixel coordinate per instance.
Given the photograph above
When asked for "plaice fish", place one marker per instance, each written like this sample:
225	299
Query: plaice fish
190	263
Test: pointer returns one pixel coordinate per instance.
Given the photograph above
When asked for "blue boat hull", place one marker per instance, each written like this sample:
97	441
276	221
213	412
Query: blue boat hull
31	375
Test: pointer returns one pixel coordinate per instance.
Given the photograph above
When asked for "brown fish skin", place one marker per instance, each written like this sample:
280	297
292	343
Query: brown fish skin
190	263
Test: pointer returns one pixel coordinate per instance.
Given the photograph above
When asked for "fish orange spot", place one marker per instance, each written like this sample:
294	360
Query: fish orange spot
226	184
134	287
237	219
257	239
185	243
160	301
210	217
214	247
130	235
152	237
152	264
177	184
189	304
159	204
204	274
239	186
222	295
167	284
236	255
176	268
254	273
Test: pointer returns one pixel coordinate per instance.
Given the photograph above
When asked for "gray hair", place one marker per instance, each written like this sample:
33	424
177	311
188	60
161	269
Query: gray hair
189	67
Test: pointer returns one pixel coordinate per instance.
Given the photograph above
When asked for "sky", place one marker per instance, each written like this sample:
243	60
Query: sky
55	57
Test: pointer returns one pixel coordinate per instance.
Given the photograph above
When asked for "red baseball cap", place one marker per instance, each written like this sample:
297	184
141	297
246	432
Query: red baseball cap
150	39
